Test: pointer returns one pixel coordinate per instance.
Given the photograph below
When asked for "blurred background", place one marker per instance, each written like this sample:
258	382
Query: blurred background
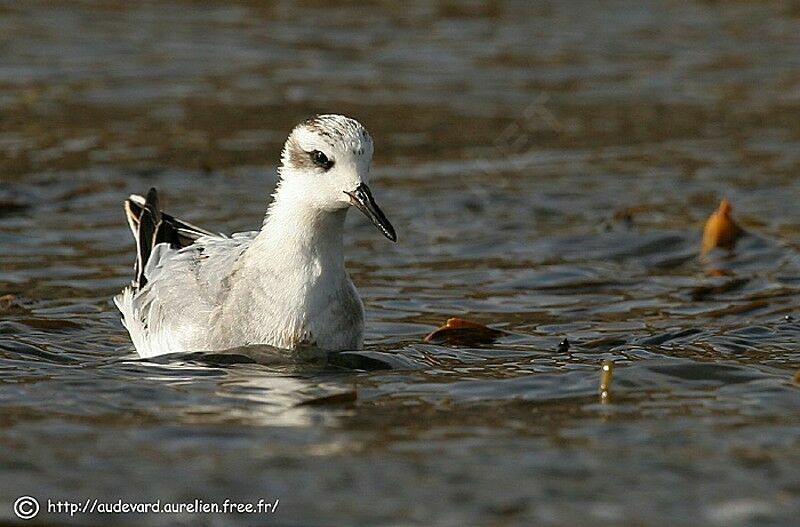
548	167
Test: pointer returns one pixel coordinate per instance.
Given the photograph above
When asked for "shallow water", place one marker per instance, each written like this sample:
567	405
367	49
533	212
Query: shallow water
548	169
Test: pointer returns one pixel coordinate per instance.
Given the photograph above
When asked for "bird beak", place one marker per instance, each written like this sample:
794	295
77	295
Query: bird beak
361	198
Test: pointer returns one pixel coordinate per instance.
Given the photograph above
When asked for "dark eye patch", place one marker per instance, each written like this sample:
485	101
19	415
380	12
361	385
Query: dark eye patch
320	159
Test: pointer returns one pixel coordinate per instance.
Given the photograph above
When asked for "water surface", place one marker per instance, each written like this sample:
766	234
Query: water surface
548	168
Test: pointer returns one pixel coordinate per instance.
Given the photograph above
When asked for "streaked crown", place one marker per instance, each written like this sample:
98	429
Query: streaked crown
320	142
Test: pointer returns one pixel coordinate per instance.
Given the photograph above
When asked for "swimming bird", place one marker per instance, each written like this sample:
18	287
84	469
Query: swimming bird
284	285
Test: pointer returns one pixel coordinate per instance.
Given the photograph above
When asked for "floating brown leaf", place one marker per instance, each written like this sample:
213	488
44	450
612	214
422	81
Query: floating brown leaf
720	230
464	332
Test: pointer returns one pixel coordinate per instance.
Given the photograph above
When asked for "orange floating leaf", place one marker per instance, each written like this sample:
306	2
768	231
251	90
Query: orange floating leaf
720	230
464	332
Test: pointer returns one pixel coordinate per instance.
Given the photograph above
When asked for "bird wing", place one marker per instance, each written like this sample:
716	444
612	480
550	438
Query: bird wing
180	278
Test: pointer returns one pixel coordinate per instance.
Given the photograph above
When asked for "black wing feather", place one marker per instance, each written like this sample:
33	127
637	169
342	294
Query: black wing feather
151	226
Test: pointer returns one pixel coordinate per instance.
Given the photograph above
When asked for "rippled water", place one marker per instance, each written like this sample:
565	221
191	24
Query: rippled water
548	168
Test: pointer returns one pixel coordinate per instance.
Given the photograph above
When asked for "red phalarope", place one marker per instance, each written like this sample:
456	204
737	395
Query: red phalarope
284	285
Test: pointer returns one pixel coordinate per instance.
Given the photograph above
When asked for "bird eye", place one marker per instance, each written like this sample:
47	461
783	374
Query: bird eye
321	160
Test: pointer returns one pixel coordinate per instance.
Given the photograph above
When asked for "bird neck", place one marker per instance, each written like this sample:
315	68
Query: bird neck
298	233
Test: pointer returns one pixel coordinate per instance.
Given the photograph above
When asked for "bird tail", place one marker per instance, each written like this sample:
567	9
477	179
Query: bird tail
151	226
149	229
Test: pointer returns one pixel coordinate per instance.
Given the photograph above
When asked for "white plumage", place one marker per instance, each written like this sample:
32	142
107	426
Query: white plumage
285	285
